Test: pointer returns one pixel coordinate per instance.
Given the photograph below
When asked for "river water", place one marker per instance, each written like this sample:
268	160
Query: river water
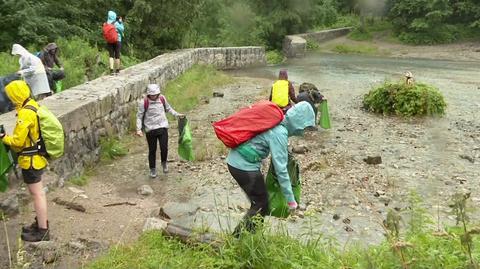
347	199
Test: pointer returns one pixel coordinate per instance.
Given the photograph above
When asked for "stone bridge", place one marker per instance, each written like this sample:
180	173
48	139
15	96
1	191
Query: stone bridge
104	106
296	45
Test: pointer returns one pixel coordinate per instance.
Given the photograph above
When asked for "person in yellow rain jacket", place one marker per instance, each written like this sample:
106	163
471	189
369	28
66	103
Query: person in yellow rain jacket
283	93
24	139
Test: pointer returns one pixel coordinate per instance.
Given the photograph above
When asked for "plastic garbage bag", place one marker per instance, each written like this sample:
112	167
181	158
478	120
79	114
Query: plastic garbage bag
324	116
185	149
6	163
276	201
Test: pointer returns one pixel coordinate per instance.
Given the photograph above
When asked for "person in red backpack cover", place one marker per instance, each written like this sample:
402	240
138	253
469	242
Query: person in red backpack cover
245	168
23	140
152	118
114	48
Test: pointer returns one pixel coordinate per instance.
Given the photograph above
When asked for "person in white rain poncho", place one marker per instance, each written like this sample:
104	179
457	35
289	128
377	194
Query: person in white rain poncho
32	69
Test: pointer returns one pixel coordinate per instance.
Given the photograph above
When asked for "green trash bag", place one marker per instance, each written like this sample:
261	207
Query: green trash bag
6	164
324	121
276	201
58	86
185	149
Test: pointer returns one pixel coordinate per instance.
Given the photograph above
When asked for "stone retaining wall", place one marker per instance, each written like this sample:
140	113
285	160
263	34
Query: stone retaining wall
296	45
105	105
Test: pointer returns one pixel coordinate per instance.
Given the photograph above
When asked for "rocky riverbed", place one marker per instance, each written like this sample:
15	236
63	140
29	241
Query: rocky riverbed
352	174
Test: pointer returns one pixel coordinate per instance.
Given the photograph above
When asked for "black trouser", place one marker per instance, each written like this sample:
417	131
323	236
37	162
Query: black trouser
160	135
114	49
54	76
253	184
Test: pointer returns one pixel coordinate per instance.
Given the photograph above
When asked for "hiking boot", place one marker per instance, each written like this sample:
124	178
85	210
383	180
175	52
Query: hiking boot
165	167
112	72
153	173
36	235
32	227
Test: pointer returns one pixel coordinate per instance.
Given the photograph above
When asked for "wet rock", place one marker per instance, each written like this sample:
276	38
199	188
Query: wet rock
300	149
145	190
218	94
467	157
154	224
176	210
76	246
379	193
10	206
50	256
76	190
336	216
348	229
346	221
373	160
93	244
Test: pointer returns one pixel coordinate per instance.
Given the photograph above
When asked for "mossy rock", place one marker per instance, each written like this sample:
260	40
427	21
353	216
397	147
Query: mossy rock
405	100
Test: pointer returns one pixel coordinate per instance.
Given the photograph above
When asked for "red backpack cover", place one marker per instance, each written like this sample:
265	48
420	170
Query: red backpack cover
247	123
110	33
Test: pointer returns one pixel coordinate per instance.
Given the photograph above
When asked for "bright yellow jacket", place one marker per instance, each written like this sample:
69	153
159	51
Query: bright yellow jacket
280	93
27	126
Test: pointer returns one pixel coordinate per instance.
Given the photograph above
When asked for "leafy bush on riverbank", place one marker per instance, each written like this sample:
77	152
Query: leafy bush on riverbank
411	241
274	57
399	99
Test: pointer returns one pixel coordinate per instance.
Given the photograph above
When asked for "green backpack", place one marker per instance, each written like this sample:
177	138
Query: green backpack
52	141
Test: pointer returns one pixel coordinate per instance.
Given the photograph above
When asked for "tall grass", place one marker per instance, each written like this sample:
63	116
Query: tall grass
185	92
419	245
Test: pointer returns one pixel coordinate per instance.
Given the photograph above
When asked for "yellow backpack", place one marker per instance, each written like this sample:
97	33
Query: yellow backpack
280	93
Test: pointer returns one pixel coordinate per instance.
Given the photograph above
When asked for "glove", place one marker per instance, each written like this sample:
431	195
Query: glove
292	205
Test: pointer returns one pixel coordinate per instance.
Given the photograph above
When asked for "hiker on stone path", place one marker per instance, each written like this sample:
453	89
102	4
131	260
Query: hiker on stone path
115	48
32	69
309	93
282	92
248	174
24	137
49	57
152	118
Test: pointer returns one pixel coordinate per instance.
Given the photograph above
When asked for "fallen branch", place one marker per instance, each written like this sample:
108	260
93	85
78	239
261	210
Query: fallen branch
69	205
120	203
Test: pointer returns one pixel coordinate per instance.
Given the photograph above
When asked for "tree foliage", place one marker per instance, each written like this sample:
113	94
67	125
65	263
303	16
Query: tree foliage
434	21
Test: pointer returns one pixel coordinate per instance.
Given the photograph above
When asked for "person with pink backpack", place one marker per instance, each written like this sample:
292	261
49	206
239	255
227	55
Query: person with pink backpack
152	119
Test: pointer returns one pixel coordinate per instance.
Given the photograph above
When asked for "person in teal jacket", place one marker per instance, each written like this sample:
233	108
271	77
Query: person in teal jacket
114	48
246	170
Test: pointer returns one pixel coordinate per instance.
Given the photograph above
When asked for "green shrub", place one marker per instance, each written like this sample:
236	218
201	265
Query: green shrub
312	44
111	148
81	180
355	49
399	99
274	57
360	34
